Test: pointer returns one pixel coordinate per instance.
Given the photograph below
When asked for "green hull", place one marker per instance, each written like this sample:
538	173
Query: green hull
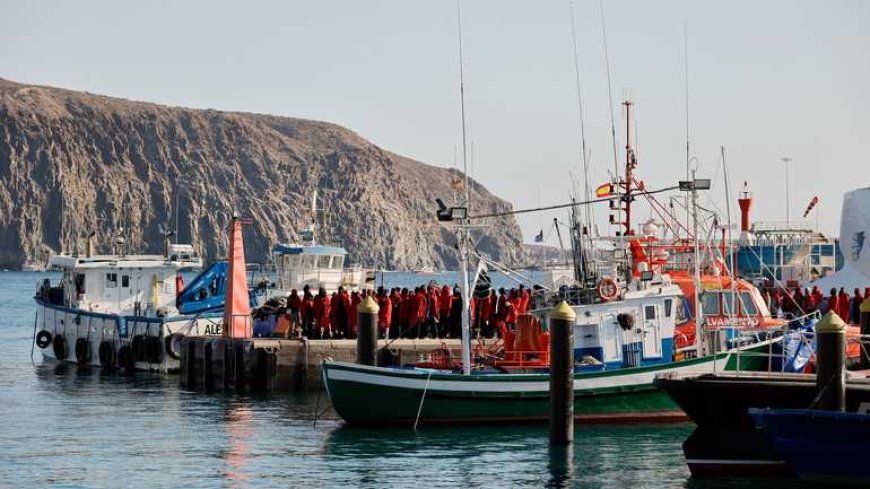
390	396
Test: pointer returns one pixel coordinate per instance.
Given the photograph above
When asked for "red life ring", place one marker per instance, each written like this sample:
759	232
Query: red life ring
607	289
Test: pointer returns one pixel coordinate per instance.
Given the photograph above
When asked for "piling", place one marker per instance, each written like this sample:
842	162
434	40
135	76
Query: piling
865	333
831	360
367	331
562	374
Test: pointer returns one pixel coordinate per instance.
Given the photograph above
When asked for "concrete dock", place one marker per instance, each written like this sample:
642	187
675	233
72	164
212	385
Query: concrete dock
275	365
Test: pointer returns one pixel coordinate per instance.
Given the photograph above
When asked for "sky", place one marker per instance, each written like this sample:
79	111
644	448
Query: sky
766	80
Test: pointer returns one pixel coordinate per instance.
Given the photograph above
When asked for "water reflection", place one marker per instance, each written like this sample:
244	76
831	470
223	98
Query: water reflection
237	422
561	466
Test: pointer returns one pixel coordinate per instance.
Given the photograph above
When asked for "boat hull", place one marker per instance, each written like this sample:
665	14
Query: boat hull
393	396
822	446
726	441
120	331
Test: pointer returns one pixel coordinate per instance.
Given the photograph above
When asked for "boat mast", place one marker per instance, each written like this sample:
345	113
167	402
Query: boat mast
462	230
699	317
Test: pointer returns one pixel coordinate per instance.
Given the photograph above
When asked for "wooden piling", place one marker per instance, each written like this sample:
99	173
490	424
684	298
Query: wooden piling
831	363
562	374
367	331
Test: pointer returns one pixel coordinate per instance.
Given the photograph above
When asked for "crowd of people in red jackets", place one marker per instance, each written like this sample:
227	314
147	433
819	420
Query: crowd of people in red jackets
427	311
796	302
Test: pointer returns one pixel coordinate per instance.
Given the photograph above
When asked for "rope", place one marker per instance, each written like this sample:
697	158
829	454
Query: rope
33	342
422	398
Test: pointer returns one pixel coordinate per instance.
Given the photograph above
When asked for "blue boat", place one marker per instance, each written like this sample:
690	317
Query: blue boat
823	446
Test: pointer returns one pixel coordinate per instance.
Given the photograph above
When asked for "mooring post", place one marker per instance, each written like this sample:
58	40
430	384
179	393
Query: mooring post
865	333
562	374
831	362
367	331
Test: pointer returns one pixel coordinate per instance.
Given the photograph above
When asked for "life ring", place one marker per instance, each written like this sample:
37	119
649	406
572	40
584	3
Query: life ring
153	352
83	351
125	359
607	289
43	339
107	354
137	345
172	345
58	344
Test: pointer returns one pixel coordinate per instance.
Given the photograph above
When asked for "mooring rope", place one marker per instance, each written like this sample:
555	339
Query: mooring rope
422	398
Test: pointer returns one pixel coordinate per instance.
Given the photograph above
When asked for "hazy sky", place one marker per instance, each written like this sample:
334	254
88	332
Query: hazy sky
767	79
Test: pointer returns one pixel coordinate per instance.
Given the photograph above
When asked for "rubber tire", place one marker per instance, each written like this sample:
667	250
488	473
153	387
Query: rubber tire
126	361
43	339
58	344
138	348
107	355
172	345
153	352
83	351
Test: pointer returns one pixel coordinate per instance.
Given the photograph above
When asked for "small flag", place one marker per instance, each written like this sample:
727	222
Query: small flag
605	190
539	238
813	203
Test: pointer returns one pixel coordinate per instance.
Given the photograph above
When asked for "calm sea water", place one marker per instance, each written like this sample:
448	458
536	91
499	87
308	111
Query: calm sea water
65	427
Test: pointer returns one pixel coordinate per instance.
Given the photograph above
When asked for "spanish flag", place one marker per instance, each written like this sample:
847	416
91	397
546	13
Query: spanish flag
605	190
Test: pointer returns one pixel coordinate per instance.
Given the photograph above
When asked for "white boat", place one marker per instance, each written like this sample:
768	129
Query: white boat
118	310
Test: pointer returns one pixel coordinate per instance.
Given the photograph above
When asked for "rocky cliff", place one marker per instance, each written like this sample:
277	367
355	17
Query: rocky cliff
73	162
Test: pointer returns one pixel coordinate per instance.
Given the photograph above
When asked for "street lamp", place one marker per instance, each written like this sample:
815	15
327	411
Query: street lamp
787	161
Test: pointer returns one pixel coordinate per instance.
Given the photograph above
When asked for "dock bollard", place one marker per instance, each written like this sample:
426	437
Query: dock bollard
562	374
865	330
831	362
367	331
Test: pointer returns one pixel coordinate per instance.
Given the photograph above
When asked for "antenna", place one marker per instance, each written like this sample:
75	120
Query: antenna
686	78
587	193
610	106
462	100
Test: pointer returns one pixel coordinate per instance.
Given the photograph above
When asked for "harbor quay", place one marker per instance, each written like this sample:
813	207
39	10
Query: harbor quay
211	363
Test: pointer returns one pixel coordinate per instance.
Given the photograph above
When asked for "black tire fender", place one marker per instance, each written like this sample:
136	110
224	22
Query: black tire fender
43	339
58	345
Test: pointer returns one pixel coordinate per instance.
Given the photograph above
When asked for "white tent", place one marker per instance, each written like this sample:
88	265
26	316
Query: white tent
854	244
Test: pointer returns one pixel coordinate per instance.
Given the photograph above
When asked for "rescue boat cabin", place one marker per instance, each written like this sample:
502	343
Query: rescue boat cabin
139	285
312	265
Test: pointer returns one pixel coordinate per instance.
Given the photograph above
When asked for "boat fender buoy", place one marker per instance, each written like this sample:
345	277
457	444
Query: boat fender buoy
172	345
58	344
43	339
153	353
83	351
107	354
626	321
137	344
607	289
125	359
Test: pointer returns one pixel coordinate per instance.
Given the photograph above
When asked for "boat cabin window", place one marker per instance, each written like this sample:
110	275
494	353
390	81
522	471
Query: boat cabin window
337	262
80	283
292	261
669	306
308	261
125	281
710	303
111	280
323	261
649	313
728	304
748	304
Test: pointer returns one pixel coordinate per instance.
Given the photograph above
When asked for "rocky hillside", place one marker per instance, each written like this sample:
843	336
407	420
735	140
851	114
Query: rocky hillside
73	162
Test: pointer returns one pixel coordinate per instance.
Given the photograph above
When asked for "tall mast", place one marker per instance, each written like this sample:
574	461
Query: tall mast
584	157
462	231
630	162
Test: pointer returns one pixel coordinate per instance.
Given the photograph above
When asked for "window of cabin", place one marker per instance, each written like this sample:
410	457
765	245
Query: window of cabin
649	313
338	262
710	303
309	261
728	304
80	283
125	281
669	306
111	280
292	261
323	261
748	304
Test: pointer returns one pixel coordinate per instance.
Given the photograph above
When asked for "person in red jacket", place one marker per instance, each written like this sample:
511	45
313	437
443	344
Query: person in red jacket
355	299
499	313
408	313
843	304
385	313
433	312
306	312
485	314
321	313
817	296
445	304
512	310
525	297
831	302
420	312
396	301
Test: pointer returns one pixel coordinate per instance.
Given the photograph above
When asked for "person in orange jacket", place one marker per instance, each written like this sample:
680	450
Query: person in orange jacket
420	312
408	313
321	313
445	304
511	310
385	313
433	312
396	300
355	299
485	314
